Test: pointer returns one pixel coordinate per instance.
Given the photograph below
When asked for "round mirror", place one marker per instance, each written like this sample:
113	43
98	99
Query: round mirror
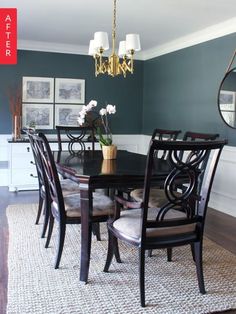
227	98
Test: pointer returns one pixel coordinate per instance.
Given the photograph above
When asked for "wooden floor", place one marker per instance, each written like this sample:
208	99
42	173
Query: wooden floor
219	228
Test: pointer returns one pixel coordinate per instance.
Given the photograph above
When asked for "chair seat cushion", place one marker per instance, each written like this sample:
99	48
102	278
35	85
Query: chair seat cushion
102	205
157	197
129	224
69	187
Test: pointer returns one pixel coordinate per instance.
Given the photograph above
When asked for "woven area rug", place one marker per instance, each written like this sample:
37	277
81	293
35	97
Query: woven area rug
36	287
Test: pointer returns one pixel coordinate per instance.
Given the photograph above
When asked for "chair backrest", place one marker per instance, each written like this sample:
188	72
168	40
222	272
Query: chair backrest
75	137
192	203
37	160
161	134
195	136
168	135
51	174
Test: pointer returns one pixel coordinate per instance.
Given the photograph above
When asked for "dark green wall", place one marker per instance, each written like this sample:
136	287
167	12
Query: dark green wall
177	90
180	88
126	94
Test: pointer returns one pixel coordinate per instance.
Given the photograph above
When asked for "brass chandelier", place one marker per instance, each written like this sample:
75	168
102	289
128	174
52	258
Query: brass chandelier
113	65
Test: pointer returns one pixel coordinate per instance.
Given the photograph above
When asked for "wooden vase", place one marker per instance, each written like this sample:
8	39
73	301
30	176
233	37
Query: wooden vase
109	152
16	127
108	166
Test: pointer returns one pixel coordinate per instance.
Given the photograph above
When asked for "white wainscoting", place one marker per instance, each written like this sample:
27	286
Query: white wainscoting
223	196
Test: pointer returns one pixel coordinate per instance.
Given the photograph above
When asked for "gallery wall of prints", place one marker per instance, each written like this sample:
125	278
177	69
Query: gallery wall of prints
47	102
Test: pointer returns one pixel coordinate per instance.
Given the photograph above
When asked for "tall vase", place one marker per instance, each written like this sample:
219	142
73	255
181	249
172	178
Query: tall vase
109	152
16	127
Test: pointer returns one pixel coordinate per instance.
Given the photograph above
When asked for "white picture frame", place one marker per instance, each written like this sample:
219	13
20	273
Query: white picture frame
71	91
37	89
40	115
67	115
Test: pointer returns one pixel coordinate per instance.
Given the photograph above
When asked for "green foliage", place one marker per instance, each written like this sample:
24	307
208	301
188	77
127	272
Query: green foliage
104	139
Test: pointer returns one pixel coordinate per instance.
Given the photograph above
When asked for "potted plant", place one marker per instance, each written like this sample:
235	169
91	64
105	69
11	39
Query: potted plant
105	139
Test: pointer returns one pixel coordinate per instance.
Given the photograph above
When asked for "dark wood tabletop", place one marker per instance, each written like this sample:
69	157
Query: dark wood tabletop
127	169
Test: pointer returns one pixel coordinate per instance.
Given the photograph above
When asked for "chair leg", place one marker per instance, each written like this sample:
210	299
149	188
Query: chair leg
169	254
110	251
96	230
46	218
50	228
116	250
142	276
149	253
198	259
61	238
193	253
39	209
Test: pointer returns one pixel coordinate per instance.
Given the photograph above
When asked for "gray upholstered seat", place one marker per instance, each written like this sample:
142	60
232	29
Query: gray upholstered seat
157	197
102	205
129	224
69	187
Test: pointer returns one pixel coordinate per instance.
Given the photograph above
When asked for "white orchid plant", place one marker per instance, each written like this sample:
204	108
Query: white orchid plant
104	139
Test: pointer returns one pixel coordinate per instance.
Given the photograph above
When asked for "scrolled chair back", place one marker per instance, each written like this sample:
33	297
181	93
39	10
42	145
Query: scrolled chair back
75	137
196	169
196	136
167	135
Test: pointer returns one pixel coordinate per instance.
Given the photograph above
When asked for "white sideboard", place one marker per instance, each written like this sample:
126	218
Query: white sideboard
22	170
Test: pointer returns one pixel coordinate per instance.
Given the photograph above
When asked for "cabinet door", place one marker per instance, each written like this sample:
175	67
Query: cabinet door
23	174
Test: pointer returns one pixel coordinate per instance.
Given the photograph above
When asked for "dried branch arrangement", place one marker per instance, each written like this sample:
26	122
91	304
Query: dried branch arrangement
15	105
15	100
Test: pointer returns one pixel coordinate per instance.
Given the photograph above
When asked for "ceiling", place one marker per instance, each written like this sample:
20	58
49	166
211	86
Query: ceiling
163	25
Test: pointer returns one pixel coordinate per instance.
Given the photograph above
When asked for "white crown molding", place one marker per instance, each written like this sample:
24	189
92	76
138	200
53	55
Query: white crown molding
59	48
209	33
51	47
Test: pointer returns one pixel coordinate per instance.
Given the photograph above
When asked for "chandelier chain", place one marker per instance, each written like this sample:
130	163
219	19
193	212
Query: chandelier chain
114	27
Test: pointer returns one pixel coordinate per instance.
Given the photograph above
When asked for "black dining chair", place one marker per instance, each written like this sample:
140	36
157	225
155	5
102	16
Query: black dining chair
66	209
196	136
178	222
68	186
75	139
156	197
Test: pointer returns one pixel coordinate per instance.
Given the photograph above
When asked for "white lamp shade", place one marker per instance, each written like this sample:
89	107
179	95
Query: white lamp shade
92	50
133	42
122	49
101	40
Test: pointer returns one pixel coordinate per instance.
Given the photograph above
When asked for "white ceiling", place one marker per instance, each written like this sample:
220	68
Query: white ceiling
163	25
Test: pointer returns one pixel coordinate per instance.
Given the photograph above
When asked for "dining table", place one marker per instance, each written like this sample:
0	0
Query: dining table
91	172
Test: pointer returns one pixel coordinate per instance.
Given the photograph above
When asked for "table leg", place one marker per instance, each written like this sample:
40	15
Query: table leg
86	233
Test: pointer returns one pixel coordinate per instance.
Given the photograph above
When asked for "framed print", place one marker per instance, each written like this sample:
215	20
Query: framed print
67	115
70	91
41	115
37	89
227	100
